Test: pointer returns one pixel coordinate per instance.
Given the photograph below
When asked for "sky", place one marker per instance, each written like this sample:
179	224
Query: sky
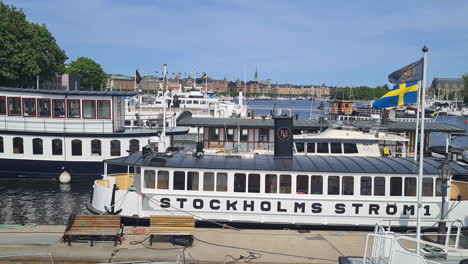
339	43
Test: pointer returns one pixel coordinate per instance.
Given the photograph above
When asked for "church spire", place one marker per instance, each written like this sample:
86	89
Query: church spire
256	74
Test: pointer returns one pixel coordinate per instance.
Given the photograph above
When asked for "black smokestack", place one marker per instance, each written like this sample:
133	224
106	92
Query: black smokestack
283	137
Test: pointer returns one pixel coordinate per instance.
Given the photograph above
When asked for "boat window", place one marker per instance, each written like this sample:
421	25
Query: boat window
29	107
192	181
334	185
214	133
285	183
76	147
366	185
244	134
37	146
195	102
230	134
316	184
322	147
310	147
221	182
264	134
396	186
149	179
1	145
44	107
73	107
208	181
438	189
134	145
188	102
239	182
182	101
115	147
18	145
179	180
163	180
335	148
14	106
271	183
350	148
2	105
57	147
103	109
347	187
59	107
300	147
379	186
410	186
96	147
202	102
254	183
89	109
302	184
428	187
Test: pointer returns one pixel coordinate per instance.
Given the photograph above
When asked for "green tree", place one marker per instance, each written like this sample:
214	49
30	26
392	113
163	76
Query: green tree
92	76
465	89
27	50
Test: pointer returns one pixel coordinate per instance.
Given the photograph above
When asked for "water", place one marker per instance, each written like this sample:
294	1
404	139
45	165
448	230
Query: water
42	201
49	202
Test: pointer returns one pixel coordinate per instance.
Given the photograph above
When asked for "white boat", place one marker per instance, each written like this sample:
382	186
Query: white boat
280	189
178	100
46	132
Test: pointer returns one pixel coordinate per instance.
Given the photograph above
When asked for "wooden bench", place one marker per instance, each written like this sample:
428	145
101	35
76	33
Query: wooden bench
171	226
93	227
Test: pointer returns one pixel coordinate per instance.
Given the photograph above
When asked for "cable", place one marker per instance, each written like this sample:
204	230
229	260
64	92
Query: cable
263	251
142	243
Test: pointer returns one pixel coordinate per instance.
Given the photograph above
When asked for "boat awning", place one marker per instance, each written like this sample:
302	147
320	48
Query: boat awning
325	164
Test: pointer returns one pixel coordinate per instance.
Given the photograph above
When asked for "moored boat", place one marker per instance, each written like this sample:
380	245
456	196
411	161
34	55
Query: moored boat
280	189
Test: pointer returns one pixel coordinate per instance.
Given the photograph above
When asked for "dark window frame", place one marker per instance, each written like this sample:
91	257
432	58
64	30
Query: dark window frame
23	99
97	109
68	109
74	144
54	151
4	110
20	103
64	108
41	148
38	107
83	108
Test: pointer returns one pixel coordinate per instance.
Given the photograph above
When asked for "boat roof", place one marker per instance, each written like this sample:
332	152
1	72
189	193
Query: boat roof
312	163
65	92
188	120
349	135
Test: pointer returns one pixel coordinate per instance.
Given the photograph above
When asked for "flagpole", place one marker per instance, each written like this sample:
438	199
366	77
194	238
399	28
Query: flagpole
421	153
164	106
418	102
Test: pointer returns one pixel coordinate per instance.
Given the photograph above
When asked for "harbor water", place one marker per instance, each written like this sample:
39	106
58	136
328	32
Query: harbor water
44	201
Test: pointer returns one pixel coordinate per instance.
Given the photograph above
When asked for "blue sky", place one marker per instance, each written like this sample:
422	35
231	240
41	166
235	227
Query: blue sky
301	42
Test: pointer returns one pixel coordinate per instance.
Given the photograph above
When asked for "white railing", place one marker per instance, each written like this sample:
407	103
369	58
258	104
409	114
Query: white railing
56	125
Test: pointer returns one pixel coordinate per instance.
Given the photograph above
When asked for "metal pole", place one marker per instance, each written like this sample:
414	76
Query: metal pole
421	155
441	226
164	105
418	104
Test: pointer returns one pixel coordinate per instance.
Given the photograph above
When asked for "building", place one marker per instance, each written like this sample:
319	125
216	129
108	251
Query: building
65	82
447	88
119	82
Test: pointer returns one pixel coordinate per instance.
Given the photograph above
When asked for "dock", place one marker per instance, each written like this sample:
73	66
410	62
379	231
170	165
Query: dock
42	244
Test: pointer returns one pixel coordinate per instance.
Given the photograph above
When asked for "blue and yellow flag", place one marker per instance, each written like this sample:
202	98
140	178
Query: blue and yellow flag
410	73
402	94
201	79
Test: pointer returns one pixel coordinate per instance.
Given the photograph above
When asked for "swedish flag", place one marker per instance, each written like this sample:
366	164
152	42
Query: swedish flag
201	79
402	94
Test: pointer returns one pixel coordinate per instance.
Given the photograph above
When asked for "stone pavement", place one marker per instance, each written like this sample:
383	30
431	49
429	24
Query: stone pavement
211	245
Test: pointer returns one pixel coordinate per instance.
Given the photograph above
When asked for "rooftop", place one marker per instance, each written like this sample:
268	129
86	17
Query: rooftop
121	77
327	164
65	92
188	120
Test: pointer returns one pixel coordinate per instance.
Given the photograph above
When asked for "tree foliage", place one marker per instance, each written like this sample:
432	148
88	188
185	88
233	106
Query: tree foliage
26	50
358	93
92	76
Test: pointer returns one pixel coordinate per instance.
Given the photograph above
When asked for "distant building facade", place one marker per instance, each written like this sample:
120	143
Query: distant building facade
120	83
447	88
62	82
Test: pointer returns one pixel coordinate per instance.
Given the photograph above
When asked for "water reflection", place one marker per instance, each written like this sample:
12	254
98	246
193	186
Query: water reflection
42	201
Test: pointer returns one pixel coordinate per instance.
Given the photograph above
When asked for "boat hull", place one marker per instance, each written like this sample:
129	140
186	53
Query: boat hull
25	168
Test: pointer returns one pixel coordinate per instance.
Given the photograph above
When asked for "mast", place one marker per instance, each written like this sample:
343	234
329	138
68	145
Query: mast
418	108
421	155
164	104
